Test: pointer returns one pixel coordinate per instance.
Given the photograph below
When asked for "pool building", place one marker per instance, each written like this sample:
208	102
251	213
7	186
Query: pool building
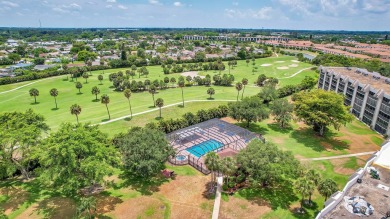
194	142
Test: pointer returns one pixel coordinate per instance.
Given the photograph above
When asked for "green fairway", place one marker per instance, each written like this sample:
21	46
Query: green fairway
95	112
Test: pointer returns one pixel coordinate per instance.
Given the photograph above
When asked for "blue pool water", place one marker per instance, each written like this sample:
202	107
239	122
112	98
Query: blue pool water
204	147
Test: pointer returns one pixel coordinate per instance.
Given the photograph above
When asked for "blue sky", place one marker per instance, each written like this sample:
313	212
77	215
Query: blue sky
268	14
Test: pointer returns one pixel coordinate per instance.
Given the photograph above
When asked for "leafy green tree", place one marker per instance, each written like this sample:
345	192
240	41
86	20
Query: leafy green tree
20	133
105	99
75	157
268	94
247	62
260	80
181	84
282	110
250	109
228	167
320	109
54	93
2	214
327	187
212	162
173	81
75	110
152	91
95	91
39	61
138	157
127	93
79	85
210	91
266	164
100	78
86	76
34	93
244	83
238	88
314	177
86	205
159	103
14	57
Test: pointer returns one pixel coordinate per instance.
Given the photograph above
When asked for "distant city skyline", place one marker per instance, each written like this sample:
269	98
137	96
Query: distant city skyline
360	15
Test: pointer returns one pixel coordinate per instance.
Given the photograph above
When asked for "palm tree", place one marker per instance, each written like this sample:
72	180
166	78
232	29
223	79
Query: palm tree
87	205
100	78
327	187
238	88
210	91
75	110
247	62
105	99
160	103
302	186
152	90
65	68
34	93
314	176
89	64
86	76
244	82
79	85
212	163
95	91
228	167
181	84
127	93
54	93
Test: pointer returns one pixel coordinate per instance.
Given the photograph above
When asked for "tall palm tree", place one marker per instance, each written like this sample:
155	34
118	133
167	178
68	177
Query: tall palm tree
228	167
89	64
75	110
238	88
34	93
181	84
152	91
105	99
302	186
85	76
314	176
79	85
327	187
244	82
87	205
159	104
95	91
127	93
54	93
212	163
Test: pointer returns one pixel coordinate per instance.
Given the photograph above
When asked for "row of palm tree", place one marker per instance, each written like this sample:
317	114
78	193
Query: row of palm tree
227	166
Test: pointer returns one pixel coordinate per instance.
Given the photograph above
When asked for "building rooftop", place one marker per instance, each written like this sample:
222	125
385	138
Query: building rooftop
365	77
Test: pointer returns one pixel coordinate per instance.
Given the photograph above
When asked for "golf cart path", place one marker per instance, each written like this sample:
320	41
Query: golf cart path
298	72
341	156
17	88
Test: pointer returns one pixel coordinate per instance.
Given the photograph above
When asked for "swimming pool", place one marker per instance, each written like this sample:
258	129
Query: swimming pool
204	147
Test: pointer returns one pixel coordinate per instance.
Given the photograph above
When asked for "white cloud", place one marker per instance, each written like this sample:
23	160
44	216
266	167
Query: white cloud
235	3
177	4
68	8
376	6
303	7
261	14
10	4
108	6
111	1
155	2
122	7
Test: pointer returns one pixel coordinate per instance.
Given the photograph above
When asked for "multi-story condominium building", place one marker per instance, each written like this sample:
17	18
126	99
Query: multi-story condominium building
367	93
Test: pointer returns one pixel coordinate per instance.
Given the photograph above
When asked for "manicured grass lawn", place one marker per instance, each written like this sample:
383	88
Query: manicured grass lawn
95	112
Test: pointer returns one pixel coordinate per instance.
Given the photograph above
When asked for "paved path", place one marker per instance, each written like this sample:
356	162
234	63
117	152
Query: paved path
341	156
155	109
17	88
276	54
217	201
293	75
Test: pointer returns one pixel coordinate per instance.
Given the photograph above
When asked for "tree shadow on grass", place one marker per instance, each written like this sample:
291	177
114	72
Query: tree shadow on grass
106	203
57	207
276	127
95	100
310	139
54	109
65	79
158	118
151	107
210	98
180	106
79	93
276	197
254	127
34	103
105	120
143	185
128	118
207	193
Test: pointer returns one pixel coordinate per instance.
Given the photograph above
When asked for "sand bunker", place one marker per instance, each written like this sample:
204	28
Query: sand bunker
191	73
264	65
294	60
293	65
282	68
279	61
